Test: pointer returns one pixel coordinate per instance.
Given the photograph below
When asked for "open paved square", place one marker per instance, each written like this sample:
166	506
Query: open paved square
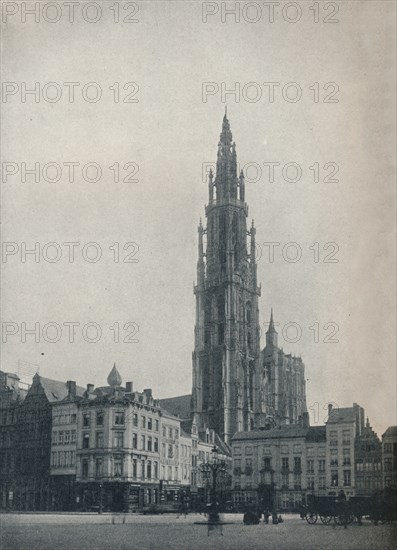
86	532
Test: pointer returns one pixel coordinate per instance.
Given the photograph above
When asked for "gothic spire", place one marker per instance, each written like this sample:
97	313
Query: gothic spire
226	166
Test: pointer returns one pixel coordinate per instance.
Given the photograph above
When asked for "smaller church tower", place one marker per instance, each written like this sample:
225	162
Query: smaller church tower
271	334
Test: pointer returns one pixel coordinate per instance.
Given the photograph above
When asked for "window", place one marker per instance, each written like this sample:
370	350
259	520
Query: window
155	470
170	451
248	450
170	433
310	483
143	468
346	457
285	463
334	479
149	469
346	478
143	422
86	441
72	458
297	449
322	483
387	448
66	438
119	439
134	467
334	457
156	423
333	437
53	459
284	449
54	438
310	466
169	472
73	436
267	450
134	441
267	463
60	438
164	431
388	462
73	418
176	433
135	420
99	418
84	464
149	423
149	443
143	443
86	420
321	465
99	439
297	464
346	437
119	418
118	466
98	467
156	445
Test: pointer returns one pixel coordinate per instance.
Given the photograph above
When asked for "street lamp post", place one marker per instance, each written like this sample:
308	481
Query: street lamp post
215	467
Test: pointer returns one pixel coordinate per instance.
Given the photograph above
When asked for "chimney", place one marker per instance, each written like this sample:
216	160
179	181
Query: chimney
305	420
90	388
148	392
71	384
329	408
128	387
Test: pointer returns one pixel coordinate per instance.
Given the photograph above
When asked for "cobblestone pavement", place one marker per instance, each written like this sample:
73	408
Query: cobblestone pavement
86	532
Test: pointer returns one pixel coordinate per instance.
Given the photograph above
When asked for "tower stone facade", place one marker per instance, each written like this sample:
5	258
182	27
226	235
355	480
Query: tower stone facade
226	355
236	387
282	384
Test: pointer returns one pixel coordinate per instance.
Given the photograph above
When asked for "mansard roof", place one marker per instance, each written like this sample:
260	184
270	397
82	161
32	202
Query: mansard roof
347	414
284	431
316	434
178	406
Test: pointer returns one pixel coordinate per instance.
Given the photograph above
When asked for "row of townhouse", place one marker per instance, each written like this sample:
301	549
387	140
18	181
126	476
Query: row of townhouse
281	466
109	448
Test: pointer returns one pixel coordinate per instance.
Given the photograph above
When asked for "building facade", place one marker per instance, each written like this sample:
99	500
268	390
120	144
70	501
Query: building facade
12	393
389	456
278	467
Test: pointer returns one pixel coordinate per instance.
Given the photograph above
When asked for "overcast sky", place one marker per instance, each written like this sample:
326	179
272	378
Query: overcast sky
170	132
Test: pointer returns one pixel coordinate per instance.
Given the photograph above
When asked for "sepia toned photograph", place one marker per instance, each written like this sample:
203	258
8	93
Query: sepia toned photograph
198	275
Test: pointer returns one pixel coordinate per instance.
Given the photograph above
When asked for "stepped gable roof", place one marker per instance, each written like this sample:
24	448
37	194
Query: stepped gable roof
284	431
316	434
55	390
347	414
178	406
390	432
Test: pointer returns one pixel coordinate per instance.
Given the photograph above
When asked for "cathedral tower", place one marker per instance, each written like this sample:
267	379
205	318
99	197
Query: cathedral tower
226	355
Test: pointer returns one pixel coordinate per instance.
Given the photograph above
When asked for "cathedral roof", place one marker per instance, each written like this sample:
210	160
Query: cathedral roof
114	378
178	406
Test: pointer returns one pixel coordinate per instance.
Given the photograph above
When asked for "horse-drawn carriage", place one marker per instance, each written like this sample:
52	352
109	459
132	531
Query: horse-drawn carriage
328	508
378	508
